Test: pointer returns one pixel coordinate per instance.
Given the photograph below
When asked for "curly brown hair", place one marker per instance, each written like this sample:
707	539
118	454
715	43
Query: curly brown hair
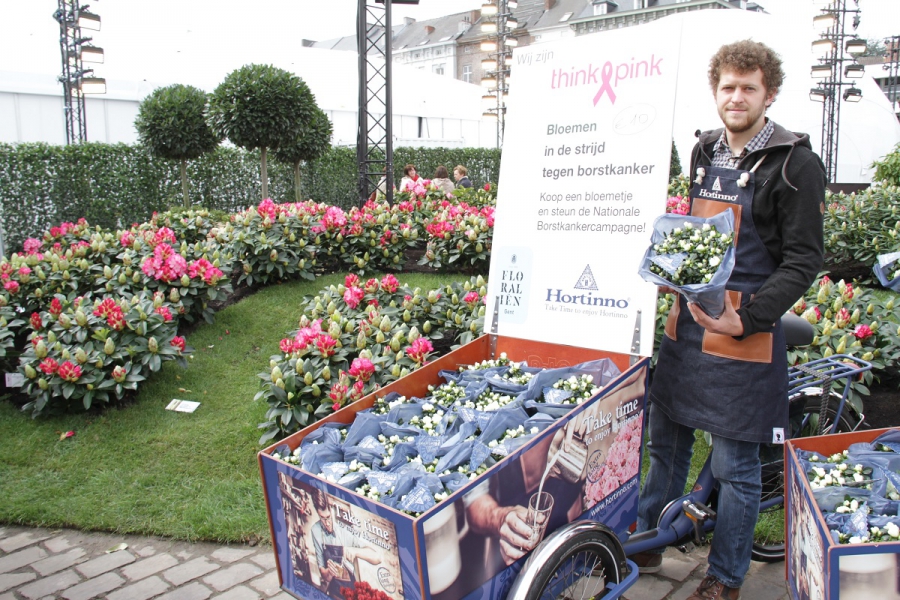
744	57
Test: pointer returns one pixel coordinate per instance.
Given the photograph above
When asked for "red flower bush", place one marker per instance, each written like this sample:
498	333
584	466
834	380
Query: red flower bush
49	366
362	369
69	372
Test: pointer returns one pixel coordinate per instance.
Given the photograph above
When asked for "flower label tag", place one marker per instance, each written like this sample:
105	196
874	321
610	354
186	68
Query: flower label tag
669	262
479	453
777	435
428	447
370	443
382	481
419	499
334	470
187	406
15	380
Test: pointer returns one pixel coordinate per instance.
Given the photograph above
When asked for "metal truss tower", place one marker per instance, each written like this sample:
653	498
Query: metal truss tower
374	138
72	70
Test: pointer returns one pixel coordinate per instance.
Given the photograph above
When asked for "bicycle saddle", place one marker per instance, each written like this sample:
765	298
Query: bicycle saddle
797	330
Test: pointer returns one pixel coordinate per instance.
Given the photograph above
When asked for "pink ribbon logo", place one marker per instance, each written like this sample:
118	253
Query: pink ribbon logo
606	75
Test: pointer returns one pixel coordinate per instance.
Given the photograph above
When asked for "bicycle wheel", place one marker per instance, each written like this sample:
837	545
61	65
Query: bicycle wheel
768	541
581	560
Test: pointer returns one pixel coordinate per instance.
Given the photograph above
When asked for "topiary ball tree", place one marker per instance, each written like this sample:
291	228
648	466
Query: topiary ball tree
172	124
261	106
313	142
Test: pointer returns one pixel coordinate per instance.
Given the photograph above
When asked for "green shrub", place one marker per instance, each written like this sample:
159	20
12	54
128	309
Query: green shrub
859	227
887	170
171	123
116	185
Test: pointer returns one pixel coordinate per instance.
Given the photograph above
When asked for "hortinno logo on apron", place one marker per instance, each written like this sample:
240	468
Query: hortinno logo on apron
715	193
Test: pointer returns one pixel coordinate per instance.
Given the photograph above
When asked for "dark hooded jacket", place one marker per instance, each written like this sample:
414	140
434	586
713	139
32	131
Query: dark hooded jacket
788	210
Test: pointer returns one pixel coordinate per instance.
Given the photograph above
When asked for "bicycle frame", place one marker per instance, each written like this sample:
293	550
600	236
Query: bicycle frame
675	527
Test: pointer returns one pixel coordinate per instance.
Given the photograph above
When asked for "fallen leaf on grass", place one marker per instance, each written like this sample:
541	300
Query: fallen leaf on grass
184	391
65	435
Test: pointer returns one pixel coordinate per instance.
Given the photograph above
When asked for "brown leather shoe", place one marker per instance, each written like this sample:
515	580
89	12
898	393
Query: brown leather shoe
710	589
647	562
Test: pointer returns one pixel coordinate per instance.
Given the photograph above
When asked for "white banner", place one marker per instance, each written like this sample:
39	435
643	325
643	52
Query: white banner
584	173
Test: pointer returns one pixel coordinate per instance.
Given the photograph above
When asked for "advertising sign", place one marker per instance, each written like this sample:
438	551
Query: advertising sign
588	468
335	545
584	173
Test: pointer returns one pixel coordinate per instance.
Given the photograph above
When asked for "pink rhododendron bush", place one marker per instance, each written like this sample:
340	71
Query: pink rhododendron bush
185	262
87	314
358	336
89	350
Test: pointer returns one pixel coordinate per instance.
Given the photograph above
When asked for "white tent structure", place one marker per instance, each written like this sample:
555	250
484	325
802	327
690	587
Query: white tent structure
430	110
868	129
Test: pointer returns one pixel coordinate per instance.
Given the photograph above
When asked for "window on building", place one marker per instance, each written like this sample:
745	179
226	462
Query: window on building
438	69
601	9
467	73
565	17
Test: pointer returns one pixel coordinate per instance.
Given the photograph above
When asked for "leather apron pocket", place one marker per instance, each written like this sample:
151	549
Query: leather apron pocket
671	329
754	348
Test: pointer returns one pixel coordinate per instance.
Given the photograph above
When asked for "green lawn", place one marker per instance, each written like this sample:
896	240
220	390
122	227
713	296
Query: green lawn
145	470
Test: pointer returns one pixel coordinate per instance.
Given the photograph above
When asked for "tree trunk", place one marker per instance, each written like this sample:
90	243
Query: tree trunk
297	197
184	184
264	175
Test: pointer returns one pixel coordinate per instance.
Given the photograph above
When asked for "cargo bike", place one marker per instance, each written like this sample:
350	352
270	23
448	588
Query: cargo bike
446	554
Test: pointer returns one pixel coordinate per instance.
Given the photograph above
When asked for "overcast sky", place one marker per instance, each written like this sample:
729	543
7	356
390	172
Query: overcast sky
146	39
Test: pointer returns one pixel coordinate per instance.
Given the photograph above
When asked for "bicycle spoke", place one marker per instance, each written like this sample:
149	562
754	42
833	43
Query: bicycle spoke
581	578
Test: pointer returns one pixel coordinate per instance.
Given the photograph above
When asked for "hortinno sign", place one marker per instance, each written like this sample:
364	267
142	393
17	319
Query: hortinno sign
583	175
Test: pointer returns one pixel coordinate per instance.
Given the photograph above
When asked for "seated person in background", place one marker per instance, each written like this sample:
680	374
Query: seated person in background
410	178
441	180
459	174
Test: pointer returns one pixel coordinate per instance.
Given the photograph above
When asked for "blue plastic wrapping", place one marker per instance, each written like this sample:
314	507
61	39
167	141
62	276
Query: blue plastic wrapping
710	296
884	267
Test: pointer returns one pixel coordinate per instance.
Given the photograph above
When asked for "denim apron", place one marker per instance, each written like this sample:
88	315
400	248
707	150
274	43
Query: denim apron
729	387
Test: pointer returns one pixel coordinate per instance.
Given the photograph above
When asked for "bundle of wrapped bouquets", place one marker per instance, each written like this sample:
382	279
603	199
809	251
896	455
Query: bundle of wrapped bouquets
692	255
411	453
858	490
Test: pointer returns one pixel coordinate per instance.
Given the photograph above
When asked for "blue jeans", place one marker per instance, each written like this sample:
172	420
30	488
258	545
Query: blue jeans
736	467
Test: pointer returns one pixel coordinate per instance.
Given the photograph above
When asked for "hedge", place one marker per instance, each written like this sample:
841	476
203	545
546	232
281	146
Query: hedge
115	185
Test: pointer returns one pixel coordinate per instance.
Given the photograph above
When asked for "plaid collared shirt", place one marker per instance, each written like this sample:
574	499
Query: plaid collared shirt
722	156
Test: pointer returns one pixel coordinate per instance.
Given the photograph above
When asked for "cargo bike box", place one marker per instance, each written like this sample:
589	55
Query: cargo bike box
817	565
588	460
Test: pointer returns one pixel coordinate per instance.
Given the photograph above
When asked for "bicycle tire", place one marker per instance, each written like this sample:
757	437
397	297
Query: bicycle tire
587	551
772	550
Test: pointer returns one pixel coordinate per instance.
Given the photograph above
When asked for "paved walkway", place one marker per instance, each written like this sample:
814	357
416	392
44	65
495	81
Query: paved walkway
45	564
